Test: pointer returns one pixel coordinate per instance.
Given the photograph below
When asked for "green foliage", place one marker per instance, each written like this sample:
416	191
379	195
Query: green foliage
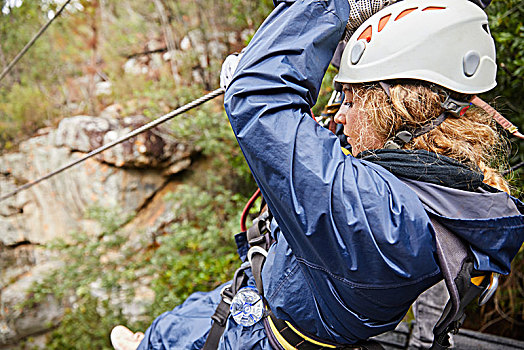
36	63
86	327
209	130
152	98
58	73
24	104
201	254
26	108
196	253
506	25
325	90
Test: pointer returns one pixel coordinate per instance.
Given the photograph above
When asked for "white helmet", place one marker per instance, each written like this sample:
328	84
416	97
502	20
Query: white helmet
446	42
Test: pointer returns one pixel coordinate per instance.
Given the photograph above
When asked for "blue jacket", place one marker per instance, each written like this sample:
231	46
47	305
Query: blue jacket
355	245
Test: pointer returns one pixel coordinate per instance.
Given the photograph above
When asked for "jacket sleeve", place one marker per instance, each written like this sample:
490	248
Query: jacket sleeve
334	211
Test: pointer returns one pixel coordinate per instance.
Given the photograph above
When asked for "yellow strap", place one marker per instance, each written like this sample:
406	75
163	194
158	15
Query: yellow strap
345	151
478	280
283	342
309	339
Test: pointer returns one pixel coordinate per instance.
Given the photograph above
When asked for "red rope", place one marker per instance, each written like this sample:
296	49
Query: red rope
506	124
248	206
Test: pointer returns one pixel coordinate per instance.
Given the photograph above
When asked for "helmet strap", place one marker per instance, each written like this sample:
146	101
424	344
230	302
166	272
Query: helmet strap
405	136
385	86
451	106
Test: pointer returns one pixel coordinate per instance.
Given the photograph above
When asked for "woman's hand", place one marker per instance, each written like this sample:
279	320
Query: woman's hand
361	10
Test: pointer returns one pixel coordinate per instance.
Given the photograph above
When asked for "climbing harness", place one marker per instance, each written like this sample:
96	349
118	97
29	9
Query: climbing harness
282	335
259	241
133	133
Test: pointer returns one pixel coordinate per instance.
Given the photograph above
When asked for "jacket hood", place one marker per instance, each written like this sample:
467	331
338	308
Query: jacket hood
491	222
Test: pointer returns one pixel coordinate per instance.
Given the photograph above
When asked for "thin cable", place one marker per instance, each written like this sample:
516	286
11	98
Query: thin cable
141	129
514	168
31	42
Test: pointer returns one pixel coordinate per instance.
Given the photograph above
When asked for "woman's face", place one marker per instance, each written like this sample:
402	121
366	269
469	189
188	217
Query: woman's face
359	134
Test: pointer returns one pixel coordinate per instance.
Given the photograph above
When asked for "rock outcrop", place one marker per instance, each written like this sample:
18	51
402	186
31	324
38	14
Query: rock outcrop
127	177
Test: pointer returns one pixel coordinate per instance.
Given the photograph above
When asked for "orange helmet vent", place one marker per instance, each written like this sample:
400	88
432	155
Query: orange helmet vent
433	8
382	22
366	34
405	13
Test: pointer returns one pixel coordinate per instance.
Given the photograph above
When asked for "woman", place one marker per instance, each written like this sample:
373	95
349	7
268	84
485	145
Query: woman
354	243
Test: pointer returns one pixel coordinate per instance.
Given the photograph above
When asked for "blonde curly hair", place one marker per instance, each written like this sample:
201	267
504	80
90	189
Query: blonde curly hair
472	139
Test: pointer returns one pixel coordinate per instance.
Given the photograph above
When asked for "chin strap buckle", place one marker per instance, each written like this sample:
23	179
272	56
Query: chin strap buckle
455	107
400	139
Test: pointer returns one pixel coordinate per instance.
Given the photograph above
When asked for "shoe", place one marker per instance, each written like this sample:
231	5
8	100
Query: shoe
123	338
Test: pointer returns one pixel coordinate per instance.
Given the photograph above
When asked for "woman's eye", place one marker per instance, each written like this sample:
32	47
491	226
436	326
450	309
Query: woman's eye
348	104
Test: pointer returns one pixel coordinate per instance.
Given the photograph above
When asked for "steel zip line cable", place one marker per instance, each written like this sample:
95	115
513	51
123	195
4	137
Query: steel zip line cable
31	42
141	129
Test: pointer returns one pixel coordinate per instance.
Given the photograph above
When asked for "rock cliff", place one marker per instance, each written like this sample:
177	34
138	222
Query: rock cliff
128	176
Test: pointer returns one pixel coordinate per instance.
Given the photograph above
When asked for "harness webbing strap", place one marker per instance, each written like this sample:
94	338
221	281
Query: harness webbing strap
256	237
218	327
291	339
451	253
288	337
219	324
222	311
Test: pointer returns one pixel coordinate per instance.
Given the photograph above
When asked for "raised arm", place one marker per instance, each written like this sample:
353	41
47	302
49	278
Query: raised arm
333	210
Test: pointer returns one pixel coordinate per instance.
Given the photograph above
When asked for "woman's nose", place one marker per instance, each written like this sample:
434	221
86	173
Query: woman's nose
340	117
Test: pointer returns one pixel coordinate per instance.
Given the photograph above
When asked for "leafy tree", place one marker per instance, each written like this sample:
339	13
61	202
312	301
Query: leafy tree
507	28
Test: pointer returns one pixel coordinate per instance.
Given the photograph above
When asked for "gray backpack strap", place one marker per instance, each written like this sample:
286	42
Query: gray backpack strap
456	266
258	240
